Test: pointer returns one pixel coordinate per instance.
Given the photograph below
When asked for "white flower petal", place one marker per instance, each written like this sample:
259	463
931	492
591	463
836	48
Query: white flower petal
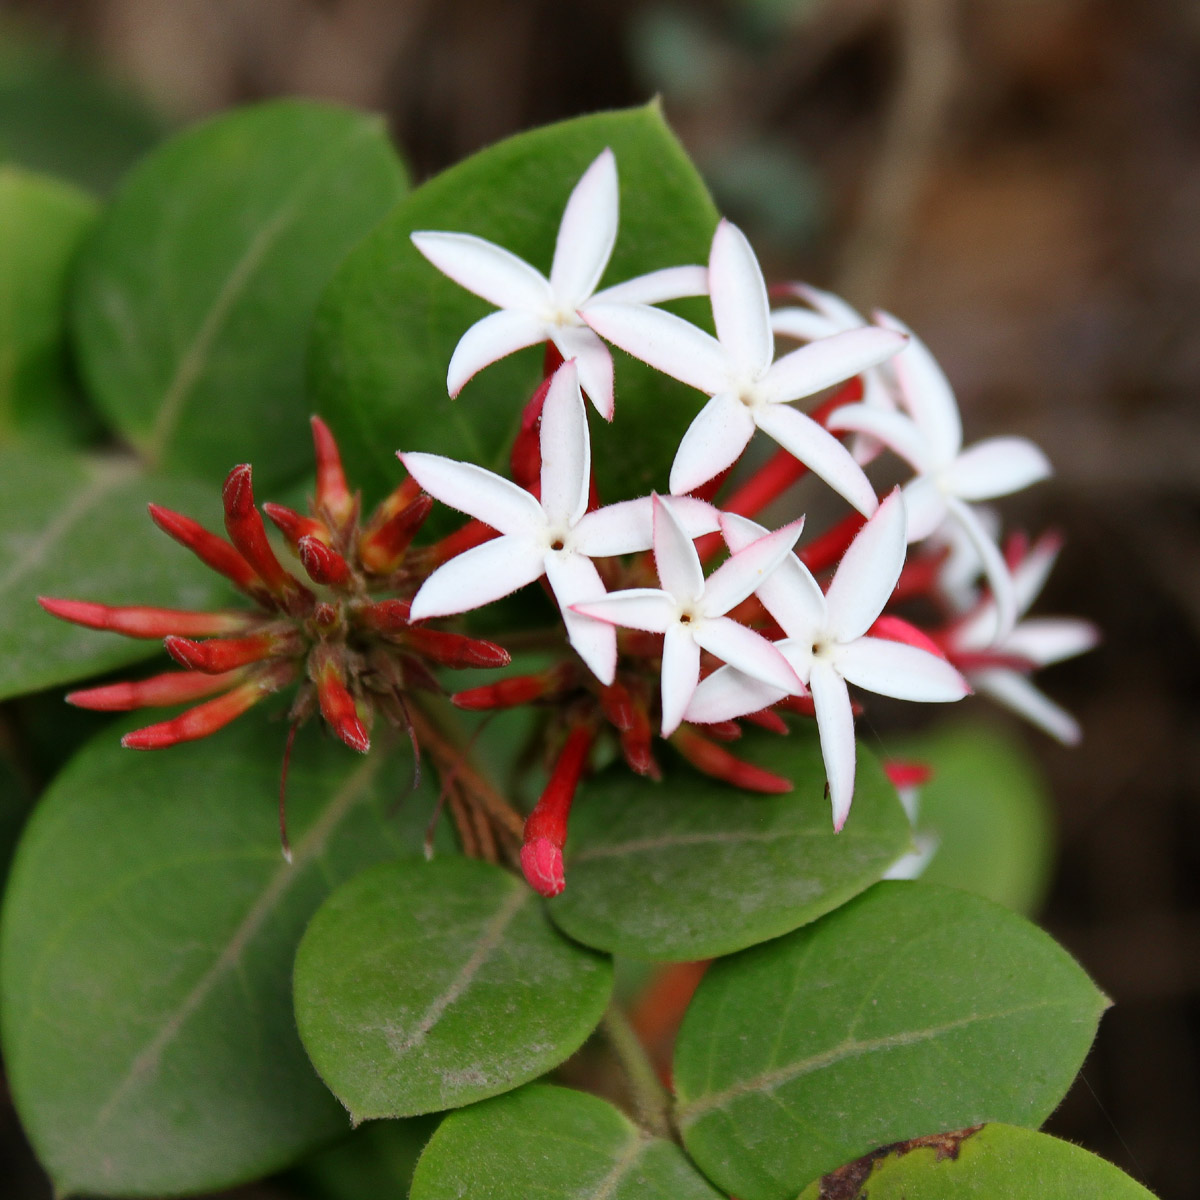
749	652
926	393
994	566
895	669
1031	573
749	569
592	360
574	580
925	506
488	498
741	311
835	722
649	609
586	233
671	283
628	526
995	467
478	576
912	865
897	431
1046	640
820	451
827	361
667	342
867	574
802	324
486	269
566	450
490	339
713	441
1018	694
675	557
680	673
728	693
829	305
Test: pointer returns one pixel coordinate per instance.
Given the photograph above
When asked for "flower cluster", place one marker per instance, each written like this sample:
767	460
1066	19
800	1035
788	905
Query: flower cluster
657	643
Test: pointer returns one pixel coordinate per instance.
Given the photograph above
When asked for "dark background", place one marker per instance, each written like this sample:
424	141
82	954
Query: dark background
1017	179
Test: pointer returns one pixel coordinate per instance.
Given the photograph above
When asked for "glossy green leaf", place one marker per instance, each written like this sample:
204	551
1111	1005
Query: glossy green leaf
195	295
77	527
388	324
422	986
997	1162
692	868
146	950
552	1142
42	221
911	1010
987	806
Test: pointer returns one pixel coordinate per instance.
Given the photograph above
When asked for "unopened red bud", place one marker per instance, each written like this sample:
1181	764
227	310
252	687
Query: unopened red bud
338	707
508	693
172	687
542	866
384	616
716	761
333	495
525	462
767	718
324	564
636	743
142	622
724	731
546	826
908	774
473	533
244	525
382	550
455	650
214	552
226	654
618	705
294	525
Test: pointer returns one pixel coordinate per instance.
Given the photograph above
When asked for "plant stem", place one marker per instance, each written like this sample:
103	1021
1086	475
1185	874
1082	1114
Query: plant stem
652	1104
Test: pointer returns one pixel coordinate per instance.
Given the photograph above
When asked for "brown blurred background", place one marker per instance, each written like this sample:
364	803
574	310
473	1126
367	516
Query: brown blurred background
1020	181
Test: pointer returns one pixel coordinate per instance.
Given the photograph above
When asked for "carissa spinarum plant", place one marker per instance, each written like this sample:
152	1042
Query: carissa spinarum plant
593	538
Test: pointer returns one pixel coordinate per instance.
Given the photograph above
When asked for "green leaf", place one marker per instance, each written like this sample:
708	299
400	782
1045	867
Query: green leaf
77	527
388	324
997	1161
552	1142
911	1010
41	224
422	986
692	868
375	1160
195	295
987	805
146	950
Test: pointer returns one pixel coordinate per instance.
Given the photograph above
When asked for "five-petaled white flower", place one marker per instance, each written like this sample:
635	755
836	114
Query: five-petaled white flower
1039	641
556	536
828	645
748	389
929	438
690	610
536	309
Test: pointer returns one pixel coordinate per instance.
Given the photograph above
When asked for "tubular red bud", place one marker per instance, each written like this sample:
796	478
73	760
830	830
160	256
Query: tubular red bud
226	654
245	527
142	622
213	551
381	550
473	533
908	774
636	742
716	761
385	616
508	693
338	707
618	705
767	718
333	496
724	731
294	525
546	826
172	687
323	563
542	866
826	551
207	718
525	461
455	650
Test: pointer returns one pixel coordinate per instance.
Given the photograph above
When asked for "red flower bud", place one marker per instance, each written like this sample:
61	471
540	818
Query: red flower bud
142	622
172	687
716	761
382	549
323	563
333	496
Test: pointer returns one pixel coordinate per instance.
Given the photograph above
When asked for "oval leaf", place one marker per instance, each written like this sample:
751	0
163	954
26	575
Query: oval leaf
195	296
388	324
41	224
551	1141
77	527
911	1010
422	986
693	868
989	1163
145	956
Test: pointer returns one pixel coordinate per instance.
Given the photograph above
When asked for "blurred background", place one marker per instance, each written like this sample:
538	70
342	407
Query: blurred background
1019	180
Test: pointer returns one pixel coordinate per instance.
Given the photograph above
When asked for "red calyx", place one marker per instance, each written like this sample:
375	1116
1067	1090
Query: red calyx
142	622
546	826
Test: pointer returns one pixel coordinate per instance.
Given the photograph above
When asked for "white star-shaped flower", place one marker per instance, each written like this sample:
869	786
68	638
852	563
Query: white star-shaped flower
827	644
690	610
1039	641
929	438
535	309
555	536
748	389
